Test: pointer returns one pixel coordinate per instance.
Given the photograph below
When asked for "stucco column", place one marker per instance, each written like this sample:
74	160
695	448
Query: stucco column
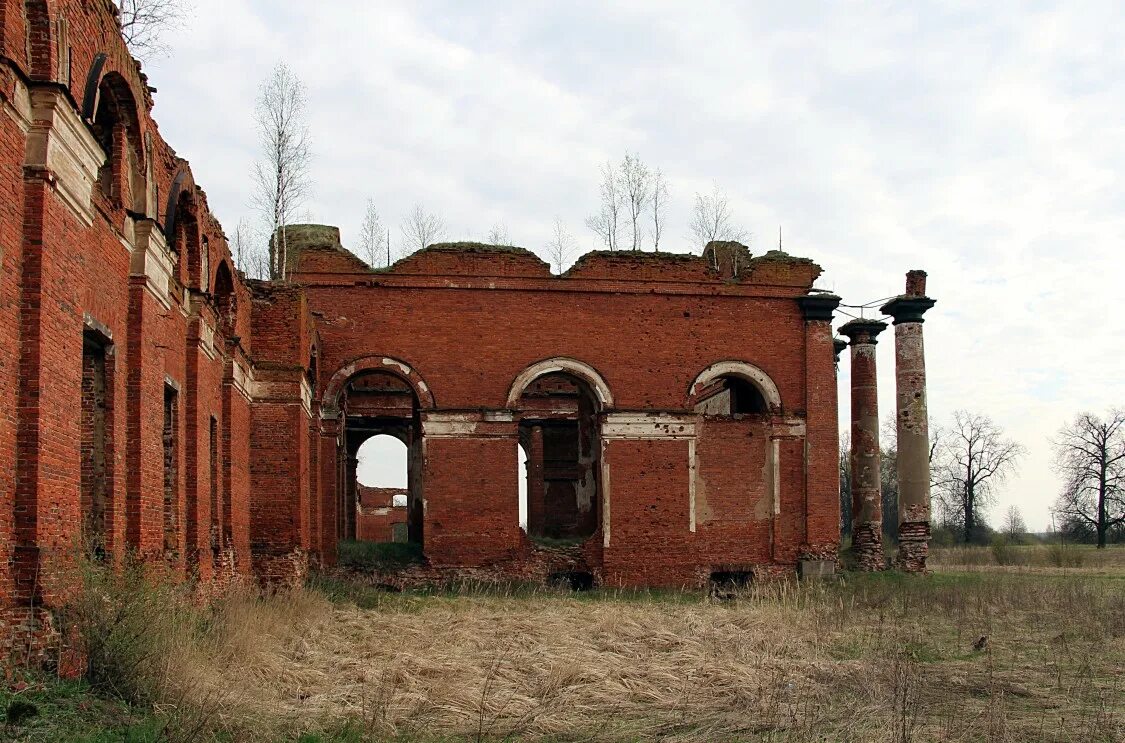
913	423
867	503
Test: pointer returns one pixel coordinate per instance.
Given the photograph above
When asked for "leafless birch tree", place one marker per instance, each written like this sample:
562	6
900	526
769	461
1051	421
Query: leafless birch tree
635	187
372	238
712	220
659	204
498	235
250	252
606	223
975	457
561	247
1090	455
281	177
421	228
144	24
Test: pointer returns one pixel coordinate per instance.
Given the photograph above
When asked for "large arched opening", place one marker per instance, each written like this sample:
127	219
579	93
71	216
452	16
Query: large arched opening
381	509
116	126
559	403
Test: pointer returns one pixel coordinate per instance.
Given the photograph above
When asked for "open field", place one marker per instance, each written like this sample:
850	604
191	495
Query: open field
865	658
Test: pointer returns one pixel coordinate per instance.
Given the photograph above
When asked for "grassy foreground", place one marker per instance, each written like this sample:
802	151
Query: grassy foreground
865	658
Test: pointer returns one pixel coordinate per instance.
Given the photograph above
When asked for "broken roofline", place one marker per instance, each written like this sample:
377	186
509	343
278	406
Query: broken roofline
317	254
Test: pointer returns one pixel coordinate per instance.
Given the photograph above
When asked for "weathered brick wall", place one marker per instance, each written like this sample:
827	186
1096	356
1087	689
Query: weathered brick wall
77	257
467	320
378	514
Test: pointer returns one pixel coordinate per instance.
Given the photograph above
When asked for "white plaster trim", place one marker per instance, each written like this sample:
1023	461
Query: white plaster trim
691	483
306	395
775	475
439	425
59	141
153	260
605	492
19	108
583	371
648	426
742	370
243	380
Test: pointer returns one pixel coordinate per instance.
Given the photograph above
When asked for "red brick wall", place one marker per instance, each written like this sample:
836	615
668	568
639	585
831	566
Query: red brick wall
60	277
648	325
378	514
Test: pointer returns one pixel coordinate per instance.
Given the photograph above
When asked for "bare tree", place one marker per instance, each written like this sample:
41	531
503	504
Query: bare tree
606	223
145	22
281	176
250	252
1014	525
421	228
372	237
498	235
659	203
561	246
712	220
1090	455
635	186
974	458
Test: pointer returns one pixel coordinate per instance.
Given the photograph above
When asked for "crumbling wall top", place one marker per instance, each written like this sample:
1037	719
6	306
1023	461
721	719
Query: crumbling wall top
473	259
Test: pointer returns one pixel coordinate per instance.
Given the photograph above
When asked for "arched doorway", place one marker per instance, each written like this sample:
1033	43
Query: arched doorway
559	433
382	489
380	513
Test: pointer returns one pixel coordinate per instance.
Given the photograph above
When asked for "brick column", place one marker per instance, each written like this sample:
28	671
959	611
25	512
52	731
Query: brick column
913	423
867	504
536	495
822	438
350	495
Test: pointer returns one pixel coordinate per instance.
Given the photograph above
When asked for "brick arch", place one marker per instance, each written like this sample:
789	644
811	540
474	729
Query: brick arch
110	105
330	400
742	370
574	367
184	181
40	39
223	295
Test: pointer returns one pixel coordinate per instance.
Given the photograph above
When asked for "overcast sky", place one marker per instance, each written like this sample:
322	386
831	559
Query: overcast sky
982	142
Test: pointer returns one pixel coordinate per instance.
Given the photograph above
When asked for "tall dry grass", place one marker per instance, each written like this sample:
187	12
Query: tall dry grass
865	658
201	665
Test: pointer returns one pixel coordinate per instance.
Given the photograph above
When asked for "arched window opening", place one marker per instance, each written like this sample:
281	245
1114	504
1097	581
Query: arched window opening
224	298
185	241
559	433
381	506
381	484
731	396
117	129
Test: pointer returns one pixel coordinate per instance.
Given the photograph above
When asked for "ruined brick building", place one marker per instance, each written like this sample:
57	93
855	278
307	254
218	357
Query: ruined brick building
678	413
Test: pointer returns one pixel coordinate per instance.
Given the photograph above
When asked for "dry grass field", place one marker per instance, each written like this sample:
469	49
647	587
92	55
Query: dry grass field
865	658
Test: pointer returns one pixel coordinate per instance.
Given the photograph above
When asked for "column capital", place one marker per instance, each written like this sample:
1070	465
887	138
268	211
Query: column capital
862	330
819	307
907	308
838	346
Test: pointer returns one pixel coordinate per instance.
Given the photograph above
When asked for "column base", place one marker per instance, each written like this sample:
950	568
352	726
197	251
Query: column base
867	544
913	546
